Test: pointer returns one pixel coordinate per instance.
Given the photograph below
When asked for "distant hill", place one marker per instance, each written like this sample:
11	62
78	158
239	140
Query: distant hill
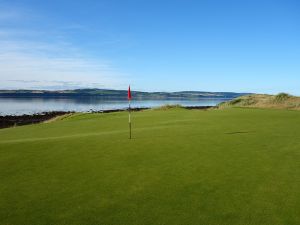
117	94
280	101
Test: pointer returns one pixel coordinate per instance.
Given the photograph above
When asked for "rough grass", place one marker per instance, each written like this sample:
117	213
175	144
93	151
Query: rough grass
282	97
167	107
280	101
233	166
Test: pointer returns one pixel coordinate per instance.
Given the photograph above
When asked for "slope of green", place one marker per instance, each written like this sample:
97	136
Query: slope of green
233	166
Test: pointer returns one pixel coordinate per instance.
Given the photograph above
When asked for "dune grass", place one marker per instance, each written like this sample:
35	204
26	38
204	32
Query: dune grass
279	101
232	166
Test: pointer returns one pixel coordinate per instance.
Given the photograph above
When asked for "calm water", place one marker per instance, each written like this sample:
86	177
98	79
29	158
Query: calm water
19	106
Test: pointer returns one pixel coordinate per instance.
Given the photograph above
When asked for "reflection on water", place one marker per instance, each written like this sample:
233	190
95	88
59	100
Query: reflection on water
19	106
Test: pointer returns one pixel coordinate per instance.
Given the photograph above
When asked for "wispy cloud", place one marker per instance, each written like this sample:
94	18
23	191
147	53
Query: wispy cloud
55	84
6	15
27	60
12	13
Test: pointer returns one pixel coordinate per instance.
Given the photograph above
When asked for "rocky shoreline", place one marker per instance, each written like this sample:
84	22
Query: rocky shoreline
12	120
20	120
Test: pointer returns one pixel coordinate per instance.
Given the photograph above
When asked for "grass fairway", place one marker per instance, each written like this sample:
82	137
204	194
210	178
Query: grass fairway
233	166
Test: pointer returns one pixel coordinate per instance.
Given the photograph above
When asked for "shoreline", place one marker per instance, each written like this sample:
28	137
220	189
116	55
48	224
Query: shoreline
7	121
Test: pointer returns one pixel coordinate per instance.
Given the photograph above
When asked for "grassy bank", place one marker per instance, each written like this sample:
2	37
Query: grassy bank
231	166
280	101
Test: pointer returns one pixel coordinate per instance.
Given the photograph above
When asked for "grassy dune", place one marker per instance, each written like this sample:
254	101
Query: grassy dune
280	101
231	166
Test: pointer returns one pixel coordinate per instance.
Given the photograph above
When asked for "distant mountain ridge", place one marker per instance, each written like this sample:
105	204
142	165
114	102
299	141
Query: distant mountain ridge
117	94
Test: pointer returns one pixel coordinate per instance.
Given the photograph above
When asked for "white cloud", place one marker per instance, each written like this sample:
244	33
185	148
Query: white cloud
27	60
45	63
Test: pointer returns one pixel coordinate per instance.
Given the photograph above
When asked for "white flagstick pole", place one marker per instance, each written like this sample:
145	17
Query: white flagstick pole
129	120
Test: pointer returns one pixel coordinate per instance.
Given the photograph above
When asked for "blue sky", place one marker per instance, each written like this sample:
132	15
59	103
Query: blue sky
155	45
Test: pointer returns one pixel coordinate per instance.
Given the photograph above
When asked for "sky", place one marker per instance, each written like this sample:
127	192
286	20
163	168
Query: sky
154	45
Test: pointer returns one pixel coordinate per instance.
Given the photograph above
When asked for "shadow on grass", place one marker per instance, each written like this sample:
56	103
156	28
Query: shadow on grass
239	132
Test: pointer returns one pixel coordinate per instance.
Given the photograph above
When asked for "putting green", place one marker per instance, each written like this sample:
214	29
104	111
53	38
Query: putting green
233	166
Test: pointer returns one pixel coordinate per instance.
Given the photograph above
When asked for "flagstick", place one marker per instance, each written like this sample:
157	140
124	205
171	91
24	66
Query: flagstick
129	120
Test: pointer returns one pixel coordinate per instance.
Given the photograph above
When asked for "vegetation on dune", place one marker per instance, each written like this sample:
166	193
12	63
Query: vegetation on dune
281	97
234	166
168	106
280	101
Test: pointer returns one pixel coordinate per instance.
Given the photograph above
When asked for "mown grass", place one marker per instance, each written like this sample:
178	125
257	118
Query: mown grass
233	166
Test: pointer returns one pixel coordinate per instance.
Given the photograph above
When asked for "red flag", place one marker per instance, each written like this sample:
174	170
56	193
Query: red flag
129	93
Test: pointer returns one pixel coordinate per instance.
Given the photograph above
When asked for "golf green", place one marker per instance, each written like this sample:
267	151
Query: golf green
232	166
